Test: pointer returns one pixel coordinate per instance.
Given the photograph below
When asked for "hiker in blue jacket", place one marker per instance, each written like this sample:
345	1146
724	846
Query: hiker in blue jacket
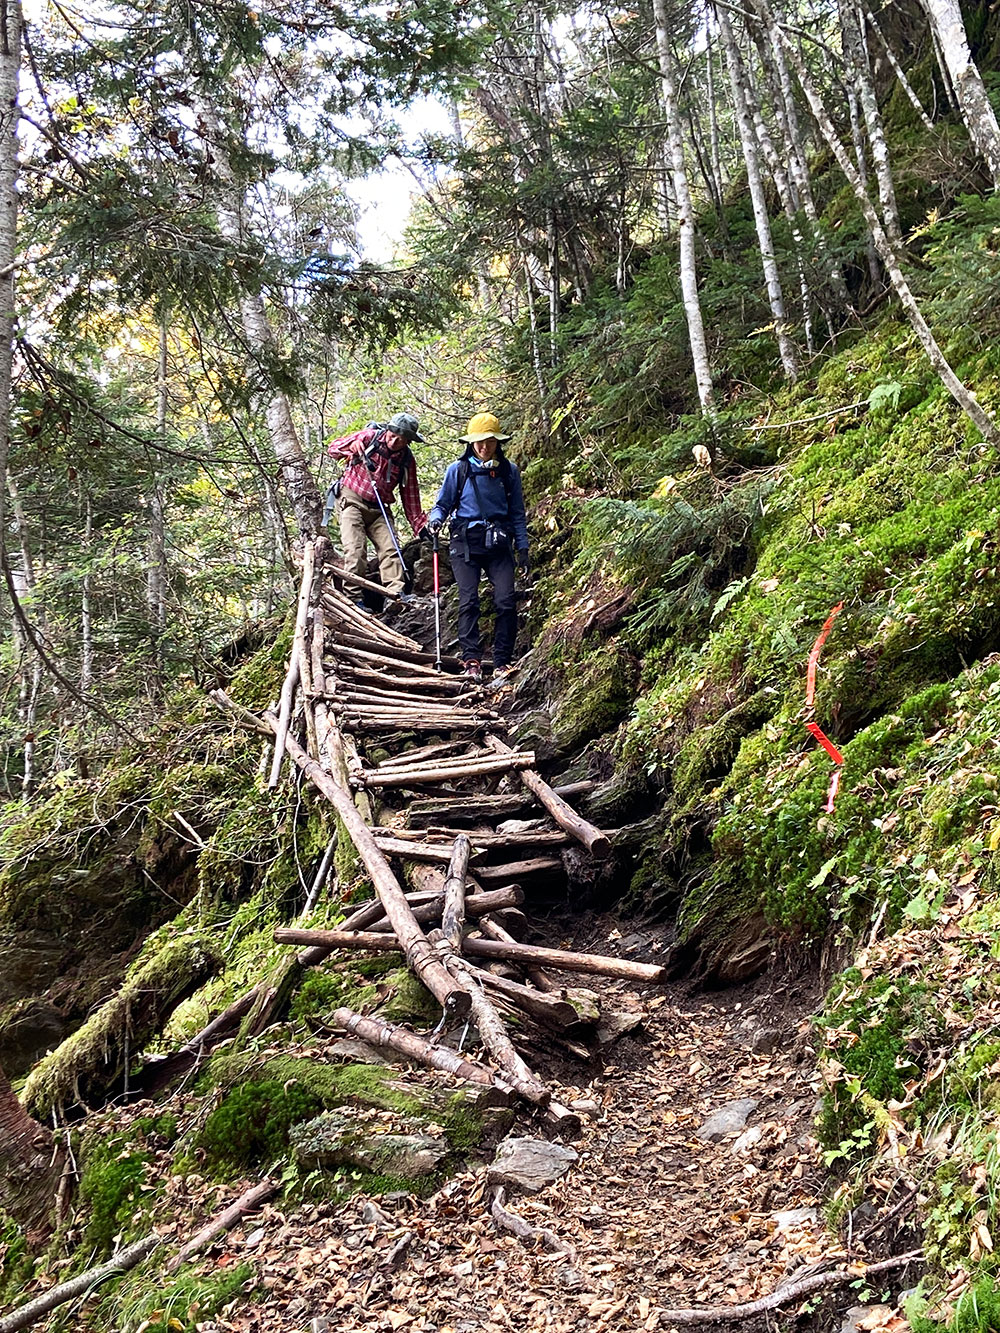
481	496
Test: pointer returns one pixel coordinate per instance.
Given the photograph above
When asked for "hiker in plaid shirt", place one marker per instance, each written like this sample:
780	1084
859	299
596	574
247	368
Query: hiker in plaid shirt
378	457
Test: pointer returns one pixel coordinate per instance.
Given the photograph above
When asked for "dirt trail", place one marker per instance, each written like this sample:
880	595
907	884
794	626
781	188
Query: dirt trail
650	1215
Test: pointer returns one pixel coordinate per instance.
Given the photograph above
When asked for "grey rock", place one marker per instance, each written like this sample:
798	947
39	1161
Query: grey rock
616	1023
530	1164
349	1048
728	1119
853	1316
765	1041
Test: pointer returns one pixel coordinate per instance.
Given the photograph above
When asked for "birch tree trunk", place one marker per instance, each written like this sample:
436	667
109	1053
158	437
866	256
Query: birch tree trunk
861	162
685	213
755	183
28	1173
858	68
962	395
897	69
296	475
10	68
980	120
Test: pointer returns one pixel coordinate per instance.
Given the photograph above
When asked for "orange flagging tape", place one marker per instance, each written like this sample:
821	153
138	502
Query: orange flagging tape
817	647
826	742
814	728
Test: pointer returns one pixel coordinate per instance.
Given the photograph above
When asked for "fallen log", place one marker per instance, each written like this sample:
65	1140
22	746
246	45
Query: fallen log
561	959
385	695
455	907
376	1032
246	1203
420	955
516	869
596	842
99	1055
491	1027
81	1285
287	696
468	809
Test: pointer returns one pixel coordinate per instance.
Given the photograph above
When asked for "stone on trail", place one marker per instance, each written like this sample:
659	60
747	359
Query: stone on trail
861	1317
530	1164
765	1041
728	1119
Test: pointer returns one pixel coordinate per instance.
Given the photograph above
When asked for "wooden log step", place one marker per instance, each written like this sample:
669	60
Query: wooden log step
447	772
444	685
404	726
418	754
370	624
530	838
377	653
549	1007
596	842
536	865
417	656
427	810
563	960
477	905
343	613
435	852
359	581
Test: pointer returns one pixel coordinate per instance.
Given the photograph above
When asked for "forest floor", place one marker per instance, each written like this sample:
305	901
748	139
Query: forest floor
650	1216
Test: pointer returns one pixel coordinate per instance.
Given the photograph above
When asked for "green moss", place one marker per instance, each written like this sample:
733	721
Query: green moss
181	1303
410	1001
16	1262
323	992
252	1122
117	1190
596	698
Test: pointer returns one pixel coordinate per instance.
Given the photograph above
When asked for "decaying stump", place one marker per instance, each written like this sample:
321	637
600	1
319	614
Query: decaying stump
29	1166
98	1055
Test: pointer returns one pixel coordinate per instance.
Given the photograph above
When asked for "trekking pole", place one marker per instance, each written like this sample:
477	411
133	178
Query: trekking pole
388	522
437	603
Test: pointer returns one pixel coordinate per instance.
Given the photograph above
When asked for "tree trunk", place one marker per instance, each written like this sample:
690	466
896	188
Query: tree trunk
980	119
962	395
859	72
742	96
10	66
156	549
28	1174
685	213
897	69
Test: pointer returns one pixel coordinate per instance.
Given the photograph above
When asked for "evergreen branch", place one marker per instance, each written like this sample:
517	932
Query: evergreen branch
32	635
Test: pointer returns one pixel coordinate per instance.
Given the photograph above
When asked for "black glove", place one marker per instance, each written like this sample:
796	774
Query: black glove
426	533
523	563
435	526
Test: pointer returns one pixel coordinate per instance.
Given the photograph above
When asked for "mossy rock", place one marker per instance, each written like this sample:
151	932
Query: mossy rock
598	697
369	1141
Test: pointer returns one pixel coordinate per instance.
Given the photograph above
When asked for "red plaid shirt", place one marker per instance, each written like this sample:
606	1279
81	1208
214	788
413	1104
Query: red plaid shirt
388	475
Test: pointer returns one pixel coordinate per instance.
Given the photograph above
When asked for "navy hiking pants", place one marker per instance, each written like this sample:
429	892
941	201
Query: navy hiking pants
498	566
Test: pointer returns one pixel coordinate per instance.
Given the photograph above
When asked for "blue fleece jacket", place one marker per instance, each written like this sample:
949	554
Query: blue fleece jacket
492	496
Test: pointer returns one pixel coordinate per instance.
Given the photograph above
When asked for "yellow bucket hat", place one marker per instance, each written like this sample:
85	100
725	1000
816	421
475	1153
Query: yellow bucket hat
483	426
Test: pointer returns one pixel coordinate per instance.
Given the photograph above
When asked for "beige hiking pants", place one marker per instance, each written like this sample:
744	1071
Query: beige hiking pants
359	521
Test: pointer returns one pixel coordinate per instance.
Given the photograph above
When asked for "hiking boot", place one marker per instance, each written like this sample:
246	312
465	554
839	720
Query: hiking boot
474	671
